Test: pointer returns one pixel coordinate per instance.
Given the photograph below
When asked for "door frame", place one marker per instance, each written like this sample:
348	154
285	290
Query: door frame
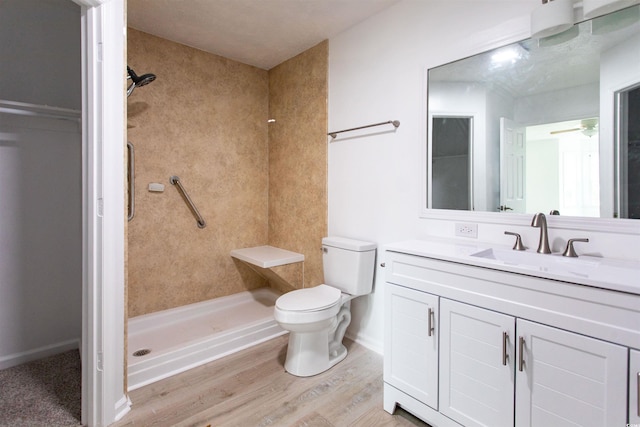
103	24
621	142
472	117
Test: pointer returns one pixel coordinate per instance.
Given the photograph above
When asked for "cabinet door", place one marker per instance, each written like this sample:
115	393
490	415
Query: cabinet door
634	387
566	379
477	355
411	343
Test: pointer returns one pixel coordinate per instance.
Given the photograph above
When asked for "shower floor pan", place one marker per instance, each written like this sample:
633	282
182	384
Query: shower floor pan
175	340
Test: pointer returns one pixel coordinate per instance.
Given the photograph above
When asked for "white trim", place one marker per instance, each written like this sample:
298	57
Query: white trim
473	119
605	225
90	3
37	353
122	407
103	65
367	342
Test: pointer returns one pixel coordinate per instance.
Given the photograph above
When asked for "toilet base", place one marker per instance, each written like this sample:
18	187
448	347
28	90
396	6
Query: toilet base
308	355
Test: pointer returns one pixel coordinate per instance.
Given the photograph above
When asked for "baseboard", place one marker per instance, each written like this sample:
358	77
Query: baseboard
366	342
38	353
123	406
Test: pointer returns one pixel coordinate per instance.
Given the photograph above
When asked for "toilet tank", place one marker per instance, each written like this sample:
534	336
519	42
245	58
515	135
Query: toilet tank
348	264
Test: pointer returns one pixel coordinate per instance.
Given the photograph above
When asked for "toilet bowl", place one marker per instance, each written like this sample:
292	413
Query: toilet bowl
317	317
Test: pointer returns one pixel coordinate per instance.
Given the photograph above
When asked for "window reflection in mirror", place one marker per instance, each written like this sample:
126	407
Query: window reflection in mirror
566	84
568	182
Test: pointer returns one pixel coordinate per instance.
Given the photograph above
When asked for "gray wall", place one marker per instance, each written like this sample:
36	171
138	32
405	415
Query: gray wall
40	171
40	59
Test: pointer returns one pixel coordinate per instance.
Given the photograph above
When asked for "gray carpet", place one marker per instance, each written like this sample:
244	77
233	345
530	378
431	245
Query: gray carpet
44	392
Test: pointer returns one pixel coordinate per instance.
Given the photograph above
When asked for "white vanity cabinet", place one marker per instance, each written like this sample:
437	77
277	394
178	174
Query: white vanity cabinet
476	365
634	387
564	378
509	349
411	344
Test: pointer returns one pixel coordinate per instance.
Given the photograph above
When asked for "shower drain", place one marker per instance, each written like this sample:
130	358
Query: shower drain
142	352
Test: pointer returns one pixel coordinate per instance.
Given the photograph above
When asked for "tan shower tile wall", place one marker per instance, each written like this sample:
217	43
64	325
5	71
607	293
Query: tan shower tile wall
204	120
298	157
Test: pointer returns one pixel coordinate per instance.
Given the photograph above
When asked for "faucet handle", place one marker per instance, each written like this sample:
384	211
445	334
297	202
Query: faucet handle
569	251
518	246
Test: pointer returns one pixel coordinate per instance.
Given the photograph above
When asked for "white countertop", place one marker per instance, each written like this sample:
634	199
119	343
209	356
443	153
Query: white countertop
617	275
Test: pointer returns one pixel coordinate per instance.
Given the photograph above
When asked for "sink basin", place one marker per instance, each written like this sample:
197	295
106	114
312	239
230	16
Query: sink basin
536	261
587	267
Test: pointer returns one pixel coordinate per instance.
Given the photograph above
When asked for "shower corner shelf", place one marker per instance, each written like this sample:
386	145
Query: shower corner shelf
267	256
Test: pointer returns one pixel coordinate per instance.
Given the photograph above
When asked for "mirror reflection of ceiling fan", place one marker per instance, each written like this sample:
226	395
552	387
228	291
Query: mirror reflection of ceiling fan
588	127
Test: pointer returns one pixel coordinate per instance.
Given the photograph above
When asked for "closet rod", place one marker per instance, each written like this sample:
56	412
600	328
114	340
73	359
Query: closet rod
395	123
27	109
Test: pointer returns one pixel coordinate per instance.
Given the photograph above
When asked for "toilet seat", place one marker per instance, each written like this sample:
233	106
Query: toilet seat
318	298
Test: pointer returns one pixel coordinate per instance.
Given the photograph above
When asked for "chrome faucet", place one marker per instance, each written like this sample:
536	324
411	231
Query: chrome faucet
539	220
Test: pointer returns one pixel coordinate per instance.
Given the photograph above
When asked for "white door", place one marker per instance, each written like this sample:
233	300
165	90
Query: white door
411	343
477	355
512	166
566	379
634	387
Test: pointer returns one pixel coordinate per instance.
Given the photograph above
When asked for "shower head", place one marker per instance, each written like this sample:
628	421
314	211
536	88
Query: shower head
136	80
140	80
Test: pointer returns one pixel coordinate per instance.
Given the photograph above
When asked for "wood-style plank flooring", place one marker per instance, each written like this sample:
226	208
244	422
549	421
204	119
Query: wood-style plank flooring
251	388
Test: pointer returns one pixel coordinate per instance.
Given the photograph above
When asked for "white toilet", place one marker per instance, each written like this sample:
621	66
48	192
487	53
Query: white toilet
317	317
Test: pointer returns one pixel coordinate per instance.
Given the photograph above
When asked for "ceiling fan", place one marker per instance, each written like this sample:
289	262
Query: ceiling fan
588	127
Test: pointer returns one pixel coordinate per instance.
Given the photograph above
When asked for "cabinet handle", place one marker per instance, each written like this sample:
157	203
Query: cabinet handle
638	395
430	326
505	356
521	356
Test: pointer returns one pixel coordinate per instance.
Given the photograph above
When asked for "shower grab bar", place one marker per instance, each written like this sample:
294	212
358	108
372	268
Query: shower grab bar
131	162
395	123
176	181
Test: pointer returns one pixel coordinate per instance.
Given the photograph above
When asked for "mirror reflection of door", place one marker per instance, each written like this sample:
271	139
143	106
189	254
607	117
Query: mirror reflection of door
562	166
512	167
628	179
451	186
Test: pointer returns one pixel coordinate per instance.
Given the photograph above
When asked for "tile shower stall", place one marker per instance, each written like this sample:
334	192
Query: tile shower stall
255	182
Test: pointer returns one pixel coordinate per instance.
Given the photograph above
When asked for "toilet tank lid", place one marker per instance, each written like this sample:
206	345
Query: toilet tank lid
350	244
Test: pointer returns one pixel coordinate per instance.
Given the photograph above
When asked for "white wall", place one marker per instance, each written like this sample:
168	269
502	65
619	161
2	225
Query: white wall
377	73
40	168
544	195
568	104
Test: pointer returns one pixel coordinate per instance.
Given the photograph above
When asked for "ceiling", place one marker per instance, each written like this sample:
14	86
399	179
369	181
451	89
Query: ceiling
262	33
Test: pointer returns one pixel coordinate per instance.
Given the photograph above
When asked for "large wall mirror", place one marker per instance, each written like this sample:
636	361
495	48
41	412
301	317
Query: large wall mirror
549	125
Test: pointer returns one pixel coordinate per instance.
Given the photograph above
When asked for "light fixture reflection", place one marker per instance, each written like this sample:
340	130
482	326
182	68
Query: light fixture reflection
552	17
508	55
